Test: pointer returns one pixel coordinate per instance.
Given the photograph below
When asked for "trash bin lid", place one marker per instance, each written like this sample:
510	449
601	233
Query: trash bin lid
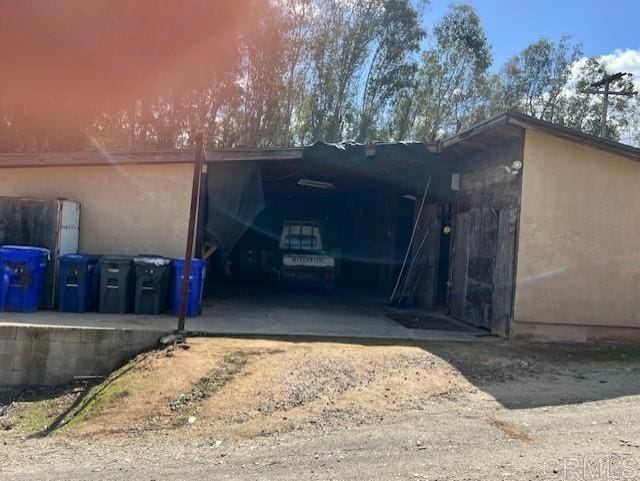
194	261
157	261
116	259
23	252
79	258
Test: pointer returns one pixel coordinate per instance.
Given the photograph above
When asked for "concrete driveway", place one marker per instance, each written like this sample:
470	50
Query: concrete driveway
260	313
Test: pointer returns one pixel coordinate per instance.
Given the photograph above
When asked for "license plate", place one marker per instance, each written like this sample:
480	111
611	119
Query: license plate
313	261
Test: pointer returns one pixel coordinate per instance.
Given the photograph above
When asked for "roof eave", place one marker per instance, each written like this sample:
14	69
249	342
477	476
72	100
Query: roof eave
523	121
611	146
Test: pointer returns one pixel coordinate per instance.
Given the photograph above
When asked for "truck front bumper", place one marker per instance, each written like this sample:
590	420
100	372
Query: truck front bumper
306	276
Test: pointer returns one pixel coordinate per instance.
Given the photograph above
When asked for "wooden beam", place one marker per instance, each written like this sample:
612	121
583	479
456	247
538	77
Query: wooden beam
92	158
64	159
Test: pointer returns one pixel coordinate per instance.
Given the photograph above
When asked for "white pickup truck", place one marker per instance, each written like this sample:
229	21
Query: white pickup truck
303	260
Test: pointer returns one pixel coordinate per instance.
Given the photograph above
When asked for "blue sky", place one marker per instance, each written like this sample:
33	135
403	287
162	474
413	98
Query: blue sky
601	26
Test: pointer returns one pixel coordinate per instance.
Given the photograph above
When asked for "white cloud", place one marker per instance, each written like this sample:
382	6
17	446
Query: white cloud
624	61
617	61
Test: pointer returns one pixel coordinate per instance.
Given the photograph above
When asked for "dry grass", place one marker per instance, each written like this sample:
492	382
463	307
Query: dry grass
247	388
237	388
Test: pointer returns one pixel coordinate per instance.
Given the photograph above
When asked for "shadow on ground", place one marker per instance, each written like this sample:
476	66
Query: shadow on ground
521	375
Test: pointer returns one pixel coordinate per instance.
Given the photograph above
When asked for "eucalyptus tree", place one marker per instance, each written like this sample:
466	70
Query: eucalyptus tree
583	111
453	69
360	58
342	33
392	67
534	80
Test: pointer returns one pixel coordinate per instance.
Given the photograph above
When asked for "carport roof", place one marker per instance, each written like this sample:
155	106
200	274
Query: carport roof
503	127
185	156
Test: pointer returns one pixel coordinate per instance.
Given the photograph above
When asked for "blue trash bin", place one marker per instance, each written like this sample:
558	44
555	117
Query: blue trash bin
77	283
22	271
196	286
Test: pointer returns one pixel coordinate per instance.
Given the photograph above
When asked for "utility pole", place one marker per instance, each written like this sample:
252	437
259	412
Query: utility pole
606	83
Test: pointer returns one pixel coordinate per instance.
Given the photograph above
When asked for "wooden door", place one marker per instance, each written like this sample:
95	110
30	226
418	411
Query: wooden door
483	272
483	237
505	271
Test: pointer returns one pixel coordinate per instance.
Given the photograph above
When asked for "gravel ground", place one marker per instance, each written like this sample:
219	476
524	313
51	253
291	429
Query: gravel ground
590	441
575	421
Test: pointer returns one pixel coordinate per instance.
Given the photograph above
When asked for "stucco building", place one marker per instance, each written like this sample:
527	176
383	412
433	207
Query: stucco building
518	226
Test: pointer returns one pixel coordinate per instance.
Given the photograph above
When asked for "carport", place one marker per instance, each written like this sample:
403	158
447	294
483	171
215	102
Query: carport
364	197
389	213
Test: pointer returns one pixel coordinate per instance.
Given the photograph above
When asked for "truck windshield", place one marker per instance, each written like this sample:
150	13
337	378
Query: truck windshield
301	242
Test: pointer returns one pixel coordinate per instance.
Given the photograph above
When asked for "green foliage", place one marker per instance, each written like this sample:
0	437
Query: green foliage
391	68
533	80
448	82
584	112
99	398
34	417
547	81
337	70
364	48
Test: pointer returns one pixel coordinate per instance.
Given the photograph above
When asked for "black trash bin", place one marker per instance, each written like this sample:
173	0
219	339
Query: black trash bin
115	284
153	276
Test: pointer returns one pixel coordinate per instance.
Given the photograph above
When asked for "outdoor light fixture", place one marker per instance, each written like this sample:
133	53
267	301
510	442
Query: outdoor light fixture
318	184
514	168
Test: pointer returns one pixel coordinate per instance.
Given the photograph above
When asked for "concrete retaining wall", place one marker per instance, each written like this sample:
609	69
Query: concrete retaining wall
48	356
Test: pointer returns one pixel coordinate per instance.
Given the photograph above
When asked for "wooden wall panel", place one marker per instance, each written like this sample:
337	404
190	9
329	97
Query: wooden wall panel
33	222
482	240
460	259
504	273
427	240
485	238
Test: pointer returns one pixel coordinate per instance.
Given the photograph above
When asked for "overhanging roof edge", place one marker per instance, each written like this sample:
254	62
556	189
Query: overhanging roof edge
95	158
524	121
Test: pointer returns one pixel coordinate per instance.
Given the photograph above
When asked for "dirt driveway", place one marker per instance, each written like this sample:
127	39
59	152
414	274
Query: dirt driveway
238	409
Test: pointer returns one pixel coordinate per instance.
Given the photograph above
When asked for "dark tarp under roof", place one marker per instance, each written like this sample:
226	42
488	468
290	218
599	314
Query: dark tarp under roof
235	198
235	189
401	164
353	153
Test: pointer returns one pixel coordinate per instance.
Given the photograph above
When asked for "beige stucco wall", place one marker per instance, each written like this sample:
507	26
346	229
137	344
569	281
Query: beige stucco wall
129	209
579	244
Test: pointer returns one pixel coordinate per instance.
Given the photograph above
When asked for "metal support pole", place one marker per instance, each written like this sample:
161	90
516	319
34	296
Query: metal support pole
193	215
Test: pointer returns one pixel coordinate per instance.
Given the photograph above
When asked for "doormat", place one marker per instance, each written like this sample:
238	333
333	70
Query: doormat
424	321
